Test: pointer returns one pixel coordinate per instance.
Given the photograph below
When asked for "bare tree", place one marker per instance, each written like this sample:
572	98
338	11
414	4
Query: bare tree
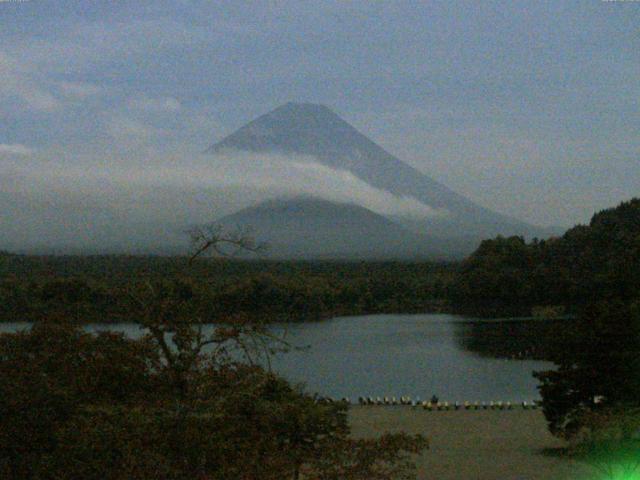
217	239
178	329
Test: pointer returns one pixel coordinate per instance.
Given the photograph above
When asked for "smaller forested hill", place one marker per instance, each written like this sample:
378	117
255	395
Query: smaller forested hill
597	261
314	228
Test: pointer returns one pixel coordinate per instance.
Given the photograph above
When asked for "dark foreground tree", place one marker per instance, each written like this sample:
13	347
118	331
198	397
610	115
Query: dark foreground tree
185	401
593	398
598	368
76	405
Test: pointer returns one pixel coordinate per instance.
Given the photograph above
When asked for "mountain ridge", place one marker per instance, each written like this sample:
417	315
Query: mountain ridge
308	227
315	130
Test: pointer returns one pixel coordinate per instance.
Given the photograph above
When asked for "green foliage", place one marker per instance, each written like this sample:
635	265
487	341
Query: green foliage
498	276
610	442
599	261
98	289
48	375
75	405
600	354
592	272
600	360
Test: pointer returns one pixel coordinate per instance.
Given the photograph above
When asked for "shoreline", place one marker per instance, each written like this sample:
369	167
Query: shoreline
474	444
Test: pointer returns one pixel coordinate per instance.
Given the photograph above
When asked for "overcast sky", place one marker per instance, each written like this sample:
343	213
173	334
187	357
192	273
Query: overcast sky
531	108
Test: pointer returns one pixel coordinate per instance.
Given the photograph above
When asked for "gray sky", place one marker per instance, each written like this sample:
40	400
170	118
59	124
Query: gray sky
531	108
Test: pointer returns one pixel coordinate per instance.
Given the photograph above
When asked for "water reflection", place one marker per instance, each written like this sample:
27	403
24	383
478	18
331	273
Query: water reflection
417	355
531	339
402	355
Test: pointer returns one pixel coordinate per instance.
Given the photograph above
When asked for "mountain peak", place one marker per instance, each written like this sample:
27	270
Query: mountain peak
303	108
314	131
290	128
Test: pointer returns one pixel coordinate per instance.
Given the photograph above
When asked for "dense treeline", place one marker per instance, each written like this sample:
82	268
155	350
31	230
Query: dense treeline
509	275
100	289
593	272
176	404
524	339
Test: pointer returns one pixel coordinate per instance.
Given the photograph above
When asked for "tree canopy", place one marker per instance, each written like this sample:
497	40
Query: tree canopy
597	261
176	404
594	272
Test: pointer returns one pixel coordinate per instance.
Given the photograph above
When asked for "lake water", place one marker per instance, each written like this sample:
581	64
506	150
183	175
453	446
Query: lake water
393	355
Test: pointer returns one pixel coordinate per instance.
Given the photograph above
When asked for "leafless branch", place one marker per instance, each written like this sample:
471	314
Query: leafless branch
215	237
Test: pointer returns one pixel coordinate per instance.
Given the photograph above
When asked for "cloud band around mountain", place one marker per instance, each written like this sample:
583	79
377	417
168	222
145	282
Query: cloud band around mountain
88	201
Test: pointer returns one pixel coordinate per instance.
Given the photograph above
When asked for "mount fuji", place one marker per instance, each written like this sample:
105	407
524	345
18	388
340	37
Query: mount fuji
312	227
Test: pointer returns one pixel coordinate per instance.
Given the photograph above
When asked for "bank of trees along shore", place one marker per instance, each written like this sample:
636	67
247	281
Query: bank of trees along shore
77	405
592	272
596	261
96	289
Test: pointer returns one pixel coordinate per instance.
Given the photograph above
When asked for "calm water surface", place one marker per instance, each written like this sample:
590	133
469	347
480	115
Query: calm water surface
394	355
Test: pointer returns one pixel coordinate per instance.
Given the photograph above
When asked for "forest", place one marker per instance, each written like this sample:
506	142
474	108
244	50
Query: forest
76	405
177	403
100	288
593	273
503	277
509	275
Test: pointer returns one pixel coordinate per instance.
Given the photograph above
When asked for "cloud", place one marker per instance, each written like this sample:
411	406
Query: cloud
281	175
250	178
38	99
105	202
15	149
125	129
148	104
20	82
78	90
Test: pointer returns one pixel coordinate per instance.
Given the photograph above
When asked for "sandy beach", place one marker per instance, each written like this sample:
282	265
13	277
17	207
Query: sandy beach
477	445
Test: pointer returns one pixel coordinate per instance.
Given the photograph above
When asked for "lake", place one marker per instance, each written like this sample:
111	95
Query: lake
393	355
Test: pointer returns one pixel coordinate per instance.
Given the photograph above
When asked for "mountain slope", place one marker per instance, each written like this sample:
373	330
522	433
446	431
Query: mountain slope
304	227
314	130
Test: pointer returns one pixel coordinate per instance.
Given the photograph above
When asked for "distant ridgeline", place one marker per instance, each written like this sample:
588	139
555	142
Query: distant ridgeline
503	277
101	288
600	261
